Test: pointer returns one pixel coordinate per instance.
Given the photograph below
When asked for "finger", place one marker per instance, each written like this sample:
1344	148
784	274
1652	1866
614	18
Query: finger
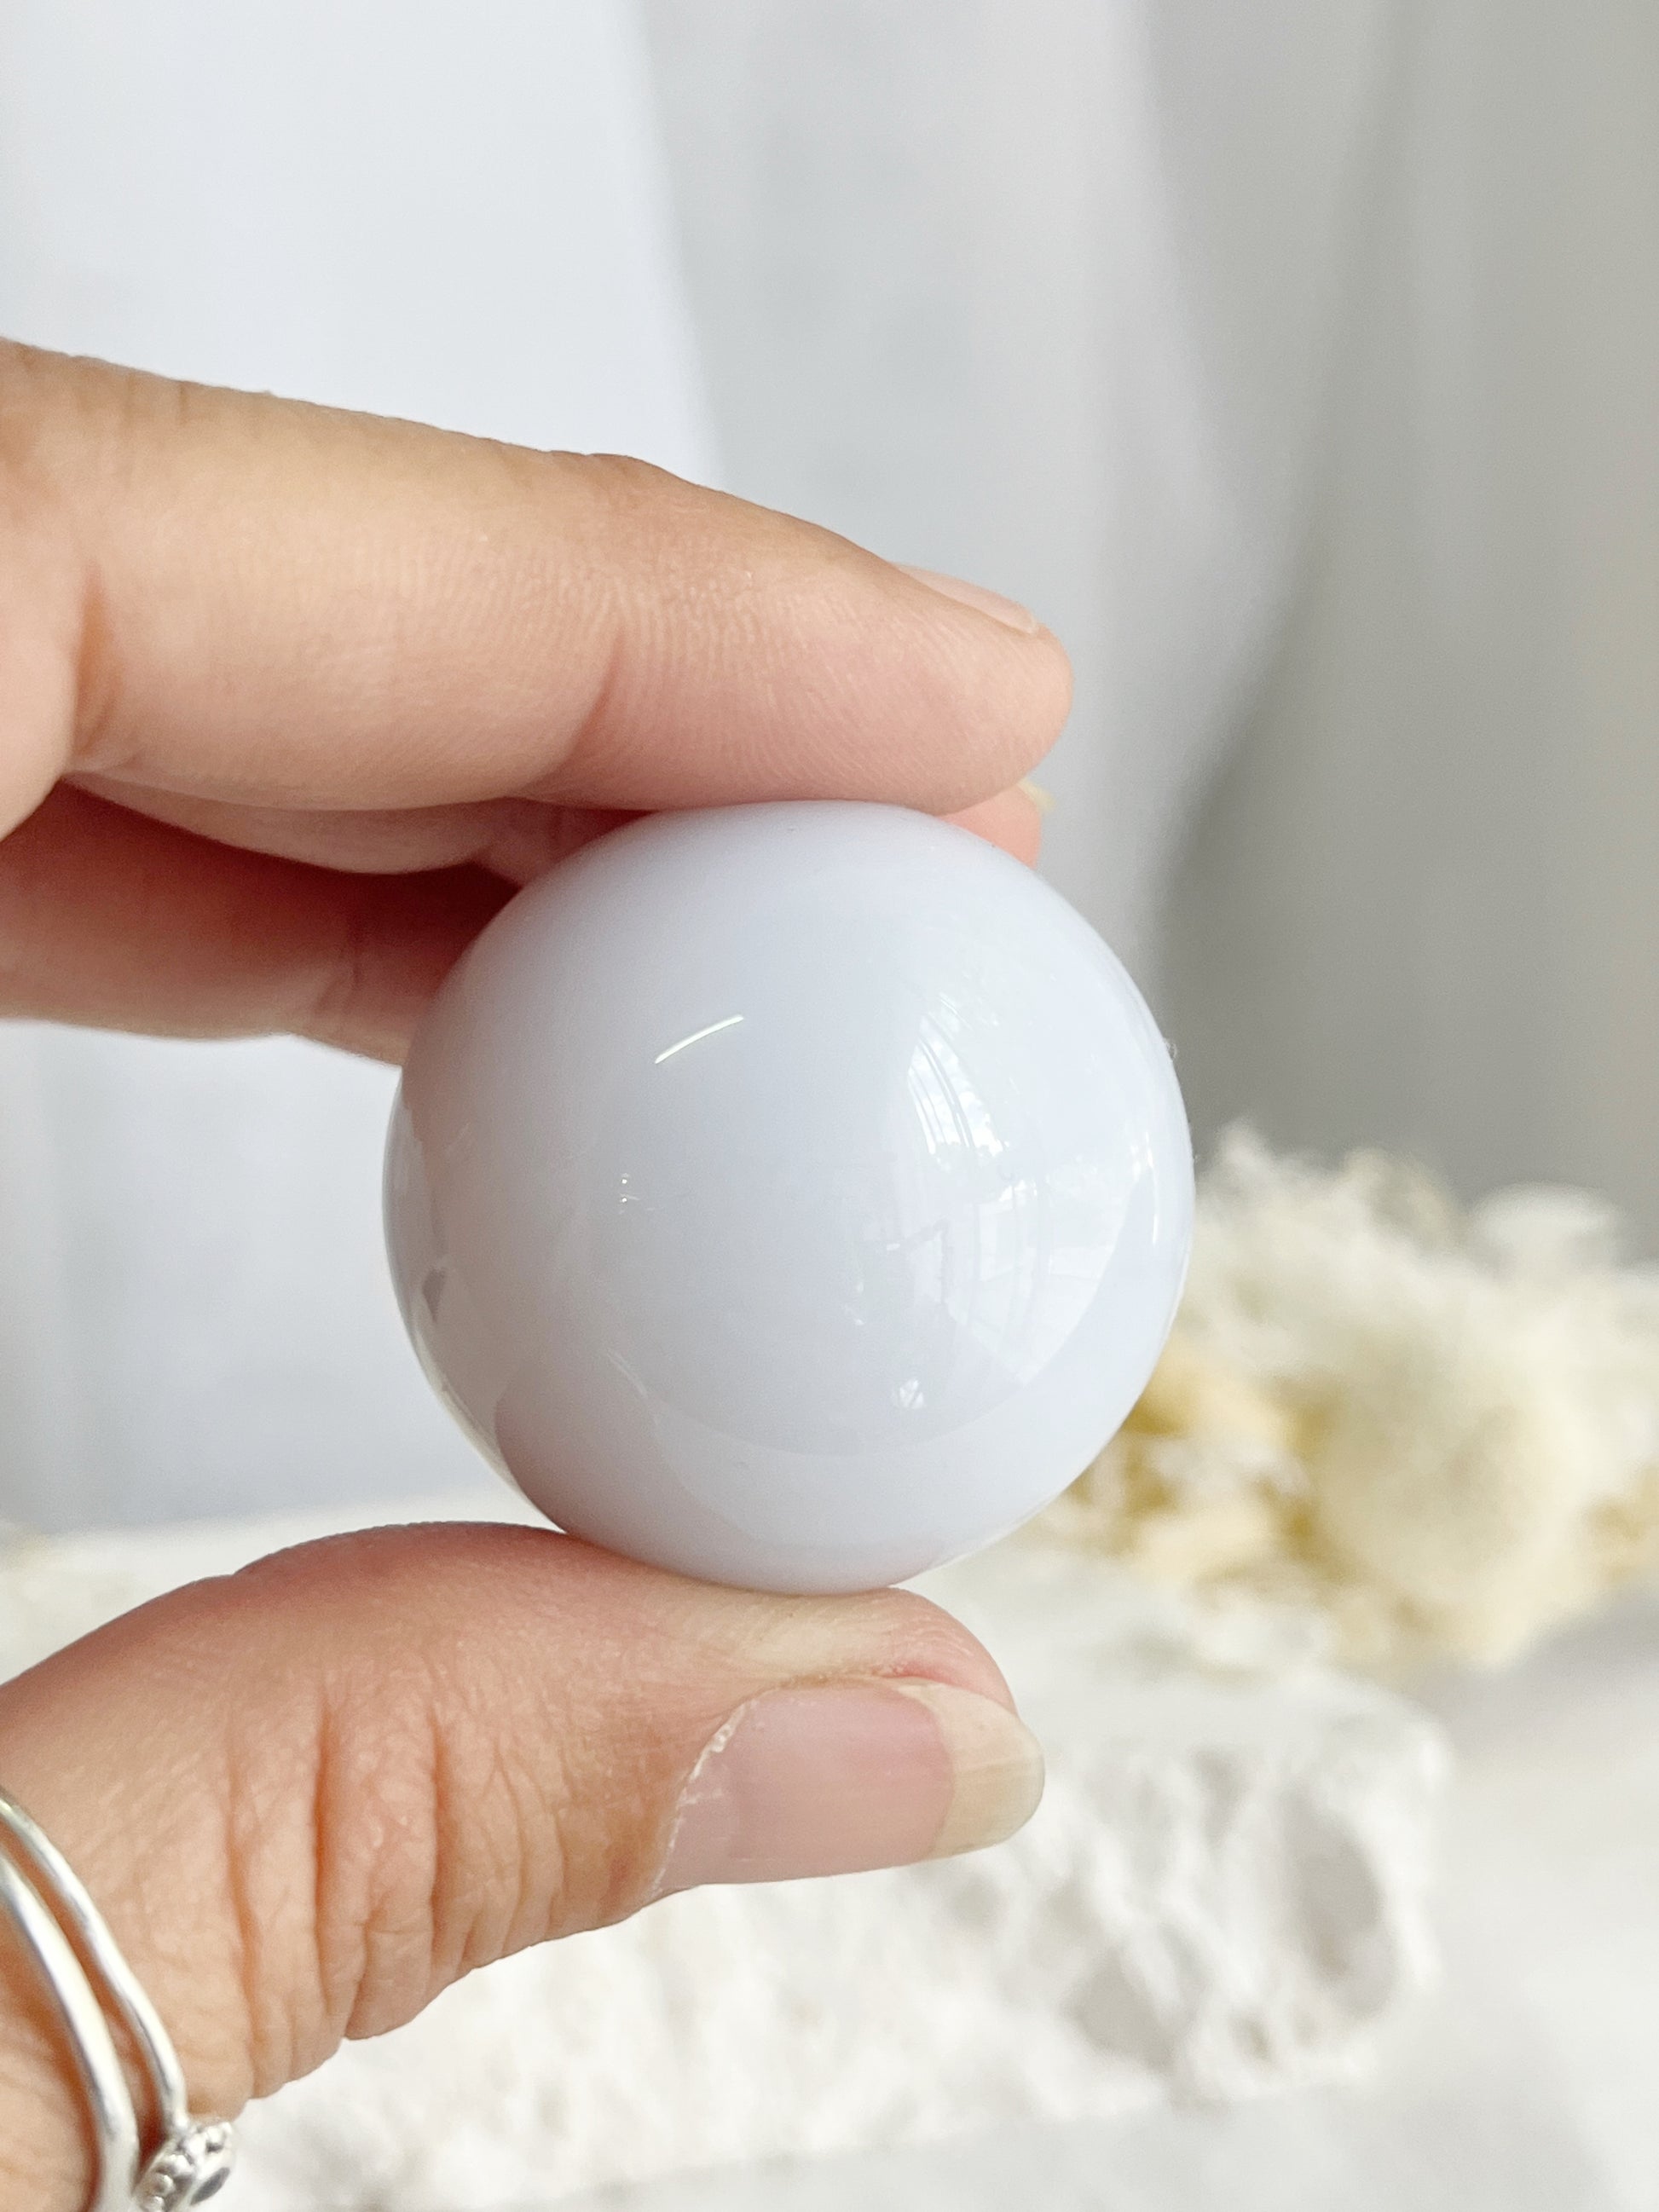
518	838
1012	820
280	604
308	1798
117	922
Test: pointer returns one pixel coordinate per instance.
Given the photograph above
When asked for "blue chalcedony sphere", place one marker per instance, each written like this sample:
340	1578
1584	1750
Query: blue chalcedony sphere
792	1196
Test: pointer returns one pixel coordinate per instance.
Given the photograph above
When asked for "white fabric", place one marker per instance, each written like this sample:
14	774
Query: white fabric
1046	295
1423	912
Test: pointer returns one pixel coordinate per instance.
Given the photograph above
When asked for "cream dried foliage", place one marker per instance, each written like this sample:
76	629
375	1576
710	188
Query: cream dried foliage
1431	1433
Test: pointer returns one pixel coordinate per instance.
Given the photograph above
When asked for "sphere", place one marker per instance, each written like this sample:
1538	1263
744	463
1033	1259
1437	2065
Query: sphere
792	1196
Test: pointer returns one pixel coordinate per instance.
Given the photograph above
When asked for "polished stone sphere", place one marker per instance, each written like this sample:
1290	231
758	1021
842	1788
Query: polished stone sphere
792	1196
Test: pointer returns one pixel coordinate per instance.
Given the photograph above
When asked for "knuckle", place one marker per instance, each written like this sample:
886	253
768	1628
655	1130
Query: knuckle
438	1849
375	1794
331	1850
422	1845
71	434
78	427
627	482
376	1920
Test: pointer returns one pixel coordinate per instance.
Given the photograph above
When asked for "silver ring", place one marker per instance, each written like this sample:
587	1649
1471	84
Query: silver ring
189	2160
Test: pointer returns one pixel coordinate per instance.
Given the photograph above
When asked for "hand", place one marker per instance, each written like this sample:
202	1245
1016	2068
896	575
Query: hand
293	700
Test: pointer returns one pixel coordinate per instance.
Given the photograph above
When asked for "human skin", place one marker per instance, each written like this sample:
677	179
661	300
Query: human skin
293	700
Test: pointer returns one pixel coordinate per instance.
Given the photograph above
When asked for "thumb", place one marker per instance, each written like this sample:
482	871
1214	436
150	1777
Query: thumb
309	1796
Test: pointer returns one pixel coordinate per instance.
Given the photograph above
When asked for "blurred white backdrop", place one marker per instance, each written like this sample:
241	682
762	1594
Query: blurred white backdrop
1423	907
1046	295
1296	362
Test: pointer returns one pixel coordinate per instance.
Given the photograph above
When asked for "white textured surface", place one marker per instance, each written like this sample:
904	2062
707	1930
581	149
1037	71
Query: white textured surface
1225	1892
1525	2084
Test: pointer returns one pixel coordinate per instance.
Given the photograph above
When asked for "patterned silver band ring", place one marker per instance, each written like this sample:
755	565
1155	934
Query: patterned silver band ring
65	1934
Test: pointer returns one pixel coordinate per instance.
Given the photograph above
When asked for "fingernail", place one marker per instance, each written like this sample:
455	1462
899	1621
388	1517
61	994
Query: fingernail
1008	612
1039	794
838	1777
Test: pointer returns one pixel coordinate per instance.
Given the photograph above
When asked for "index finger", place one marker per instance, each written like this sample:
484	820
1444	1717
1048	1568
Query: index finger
249	600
